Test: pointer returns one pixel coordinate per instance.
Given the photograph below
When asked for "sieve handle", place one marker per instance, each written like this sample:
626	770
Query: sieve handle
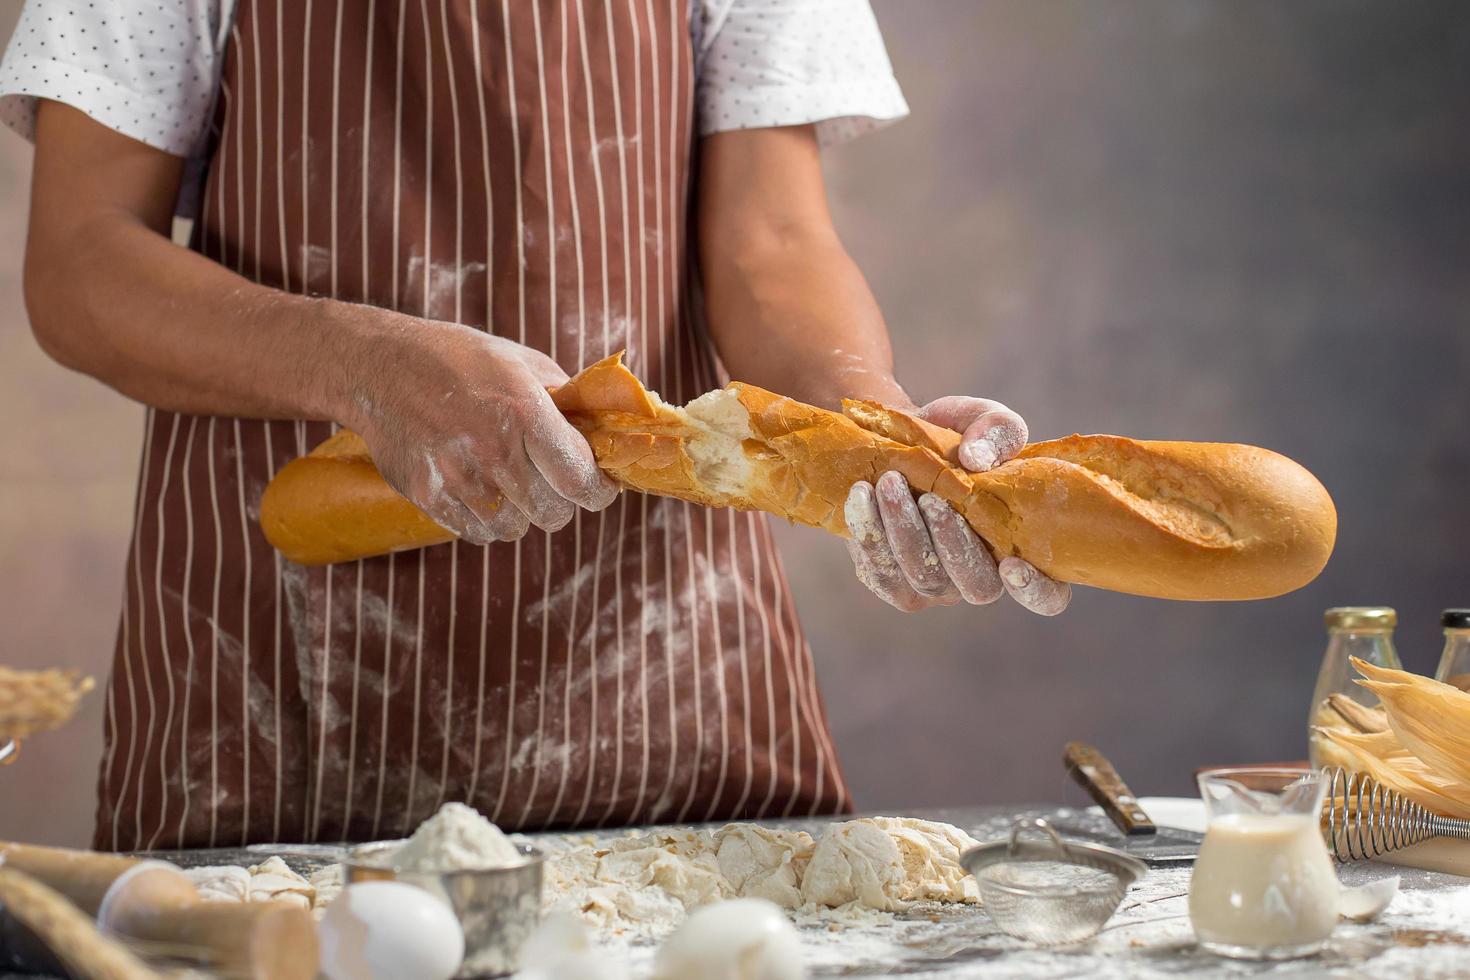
1038	823
1096	775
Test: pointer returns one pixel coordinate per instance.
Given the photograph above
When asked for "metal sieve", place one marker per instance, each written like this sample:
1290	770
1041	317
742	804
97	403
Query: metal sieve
1050	891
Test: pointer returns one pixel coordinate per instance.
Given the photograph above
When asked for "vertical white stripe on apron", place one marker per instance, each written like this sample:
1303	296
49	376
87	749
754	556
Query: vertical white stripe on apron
168	673
245	725
110	711
447	734
618	712
418	678
743	651
566	698
428	311
510	687
259	140
665	250
384	692
478	735
515	618
219	555
321	721
367	118
645	368
281	155
188	603
627	309
349	795
760	608
397	153
793	678
305	189
550	238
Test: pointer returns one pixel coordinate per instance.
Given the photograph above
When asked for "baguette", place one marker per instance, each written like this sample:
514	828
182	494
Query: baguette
1173	520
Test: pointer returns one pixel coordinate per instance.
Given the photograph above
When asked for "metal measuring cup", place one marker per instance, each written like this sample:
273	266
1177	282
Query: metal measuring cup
498	908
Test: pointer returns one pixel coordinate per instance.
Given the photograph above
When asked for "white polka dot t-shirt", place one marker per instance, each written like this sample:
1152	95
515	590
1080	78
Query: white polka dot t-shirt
149	68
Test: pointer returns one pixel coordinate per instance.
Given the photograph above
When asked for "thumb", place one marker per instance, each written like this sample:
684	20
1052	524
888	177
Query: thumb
991	432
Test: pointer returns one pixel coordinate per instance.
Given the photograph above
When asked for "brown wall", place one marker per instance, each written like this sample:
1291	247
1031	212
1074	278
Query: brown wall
1179	218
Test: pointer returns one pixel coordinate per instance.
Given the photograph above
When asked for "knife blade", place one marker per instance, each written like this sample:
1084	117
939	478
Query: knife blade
1137	833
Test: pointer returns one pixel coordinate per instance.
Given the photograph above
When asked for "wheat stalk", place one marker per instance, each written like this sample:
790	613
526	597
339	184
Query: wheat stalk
38	700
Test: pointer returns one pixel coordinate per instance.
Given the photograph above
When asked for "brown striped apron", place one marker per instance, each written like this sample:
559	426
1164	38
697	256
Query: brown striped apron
524	167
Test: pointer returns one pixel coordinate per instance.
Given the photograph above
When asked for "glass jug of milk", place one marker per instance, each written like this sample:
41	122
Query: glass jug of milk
1264	886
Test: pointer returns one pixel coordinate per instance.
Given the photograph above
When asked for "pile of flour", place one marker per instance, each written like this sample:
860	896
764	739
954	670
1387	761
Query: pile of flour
456	838
646	885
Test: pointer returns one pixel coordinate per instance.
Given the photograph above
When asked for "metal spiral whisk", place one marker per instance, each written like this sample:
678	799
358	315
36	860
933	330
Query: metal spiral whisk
1364	819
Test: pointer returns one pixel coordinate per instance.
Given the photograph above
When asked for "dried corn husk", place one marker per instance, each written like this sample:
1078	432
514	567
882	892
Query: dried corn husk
38	700
1358	716
1431	719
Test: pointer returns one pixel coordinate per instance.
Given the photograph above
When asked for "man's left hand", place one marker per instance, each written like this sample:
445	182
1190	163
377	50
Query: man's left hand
916	554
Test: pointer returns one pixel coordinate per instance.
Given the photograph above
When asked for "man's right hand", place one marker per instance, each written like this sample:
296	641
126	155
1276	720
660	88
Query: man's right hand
460	422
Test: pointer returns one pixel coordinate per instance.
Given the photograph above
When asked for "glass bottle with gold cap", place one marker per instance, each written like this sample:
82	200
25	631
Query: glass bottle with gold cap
1454	663
1365	632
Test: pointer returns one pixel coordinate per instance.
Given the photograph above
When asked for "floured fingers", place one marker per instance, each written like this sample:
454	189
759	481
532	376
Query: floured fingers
871	557
908	539
965	558
1039	593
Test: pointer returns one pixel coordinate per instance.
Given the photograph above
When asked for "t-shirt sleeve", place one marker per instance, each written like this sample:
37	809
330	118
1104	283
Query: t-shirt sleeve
790	62
147	70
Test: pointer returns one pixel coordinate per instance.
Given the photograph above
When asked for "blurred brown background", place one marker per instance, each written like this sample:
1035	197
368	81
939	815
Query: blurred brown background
1194	219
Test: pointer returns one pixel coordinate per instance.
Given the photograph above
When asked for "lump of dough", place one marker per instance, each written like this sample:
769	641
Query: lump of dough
930	852
758	862
274	881
326	883
856	861
225	883
647	882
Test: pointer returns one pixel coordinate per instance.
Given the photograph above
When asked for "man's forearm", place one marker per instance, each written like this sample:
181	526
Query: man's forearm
796	316
170	328
788	309
110	295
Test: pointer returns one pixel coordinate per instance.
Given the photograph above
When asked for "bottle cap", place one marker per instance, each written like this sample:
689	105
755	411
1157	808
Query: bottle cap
1455	619
1360	618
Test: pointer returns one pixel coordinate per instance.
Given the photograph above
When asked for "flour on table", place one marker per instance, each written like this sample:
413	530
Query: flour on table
649	884
456	838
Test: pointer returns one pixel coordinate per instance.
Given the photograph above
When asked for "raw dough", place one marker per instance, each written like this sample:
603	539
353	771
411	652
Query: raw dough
931	860
858	862
227	883
272	880
649	884
327	882
758	862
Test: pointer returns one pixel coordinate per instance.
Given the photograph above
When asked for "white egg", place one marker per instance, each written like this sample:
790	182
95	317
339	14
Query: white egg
742	939
388	930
